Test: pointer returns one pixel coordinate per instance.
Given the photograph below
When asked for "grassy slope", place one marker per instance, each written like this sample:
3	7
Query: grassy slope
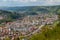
48	34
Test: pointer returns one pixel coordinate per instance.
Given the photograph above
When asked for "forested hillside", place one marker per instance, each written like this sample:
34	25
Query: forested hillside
12	13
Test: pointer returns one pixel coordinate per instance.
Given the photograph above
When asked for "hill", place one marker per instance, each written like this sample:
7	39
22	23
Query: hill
14	13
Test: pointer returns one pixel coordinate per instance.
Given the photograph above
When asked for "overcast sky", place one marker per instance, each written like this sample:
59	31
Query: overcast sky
29	2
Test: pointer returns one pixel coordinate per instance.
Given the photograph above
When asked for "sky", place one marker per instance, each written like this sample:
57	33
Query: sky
29	2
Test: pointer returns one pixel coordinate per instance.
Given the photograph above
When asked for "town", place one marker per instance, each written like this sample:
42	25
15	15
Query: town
27	26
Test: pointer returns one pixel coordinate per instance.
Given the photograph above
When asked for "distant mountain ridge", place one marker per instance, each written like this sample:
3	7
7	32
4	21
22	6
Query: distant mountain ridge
31	8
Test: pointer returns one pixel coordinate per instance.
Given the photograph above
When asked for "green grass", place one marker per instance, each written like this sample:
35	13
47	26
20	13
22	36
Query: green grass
48	34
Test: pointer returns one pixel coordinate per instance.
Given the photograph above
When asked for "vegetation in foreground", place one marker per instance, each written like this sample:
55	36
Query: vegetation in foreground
48	33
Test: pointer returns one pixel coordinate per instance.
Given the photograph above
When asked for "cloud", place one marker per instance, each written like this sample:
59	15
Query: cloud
52	2
28	2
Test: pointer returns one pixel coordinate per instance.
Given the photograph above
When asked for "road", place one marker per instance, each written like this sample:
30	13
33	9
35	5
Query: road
35	31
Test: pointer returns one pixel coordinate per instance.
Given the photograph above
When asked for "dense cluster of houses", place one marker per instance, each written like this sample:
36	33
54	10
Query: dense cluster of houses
1	17
25	26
